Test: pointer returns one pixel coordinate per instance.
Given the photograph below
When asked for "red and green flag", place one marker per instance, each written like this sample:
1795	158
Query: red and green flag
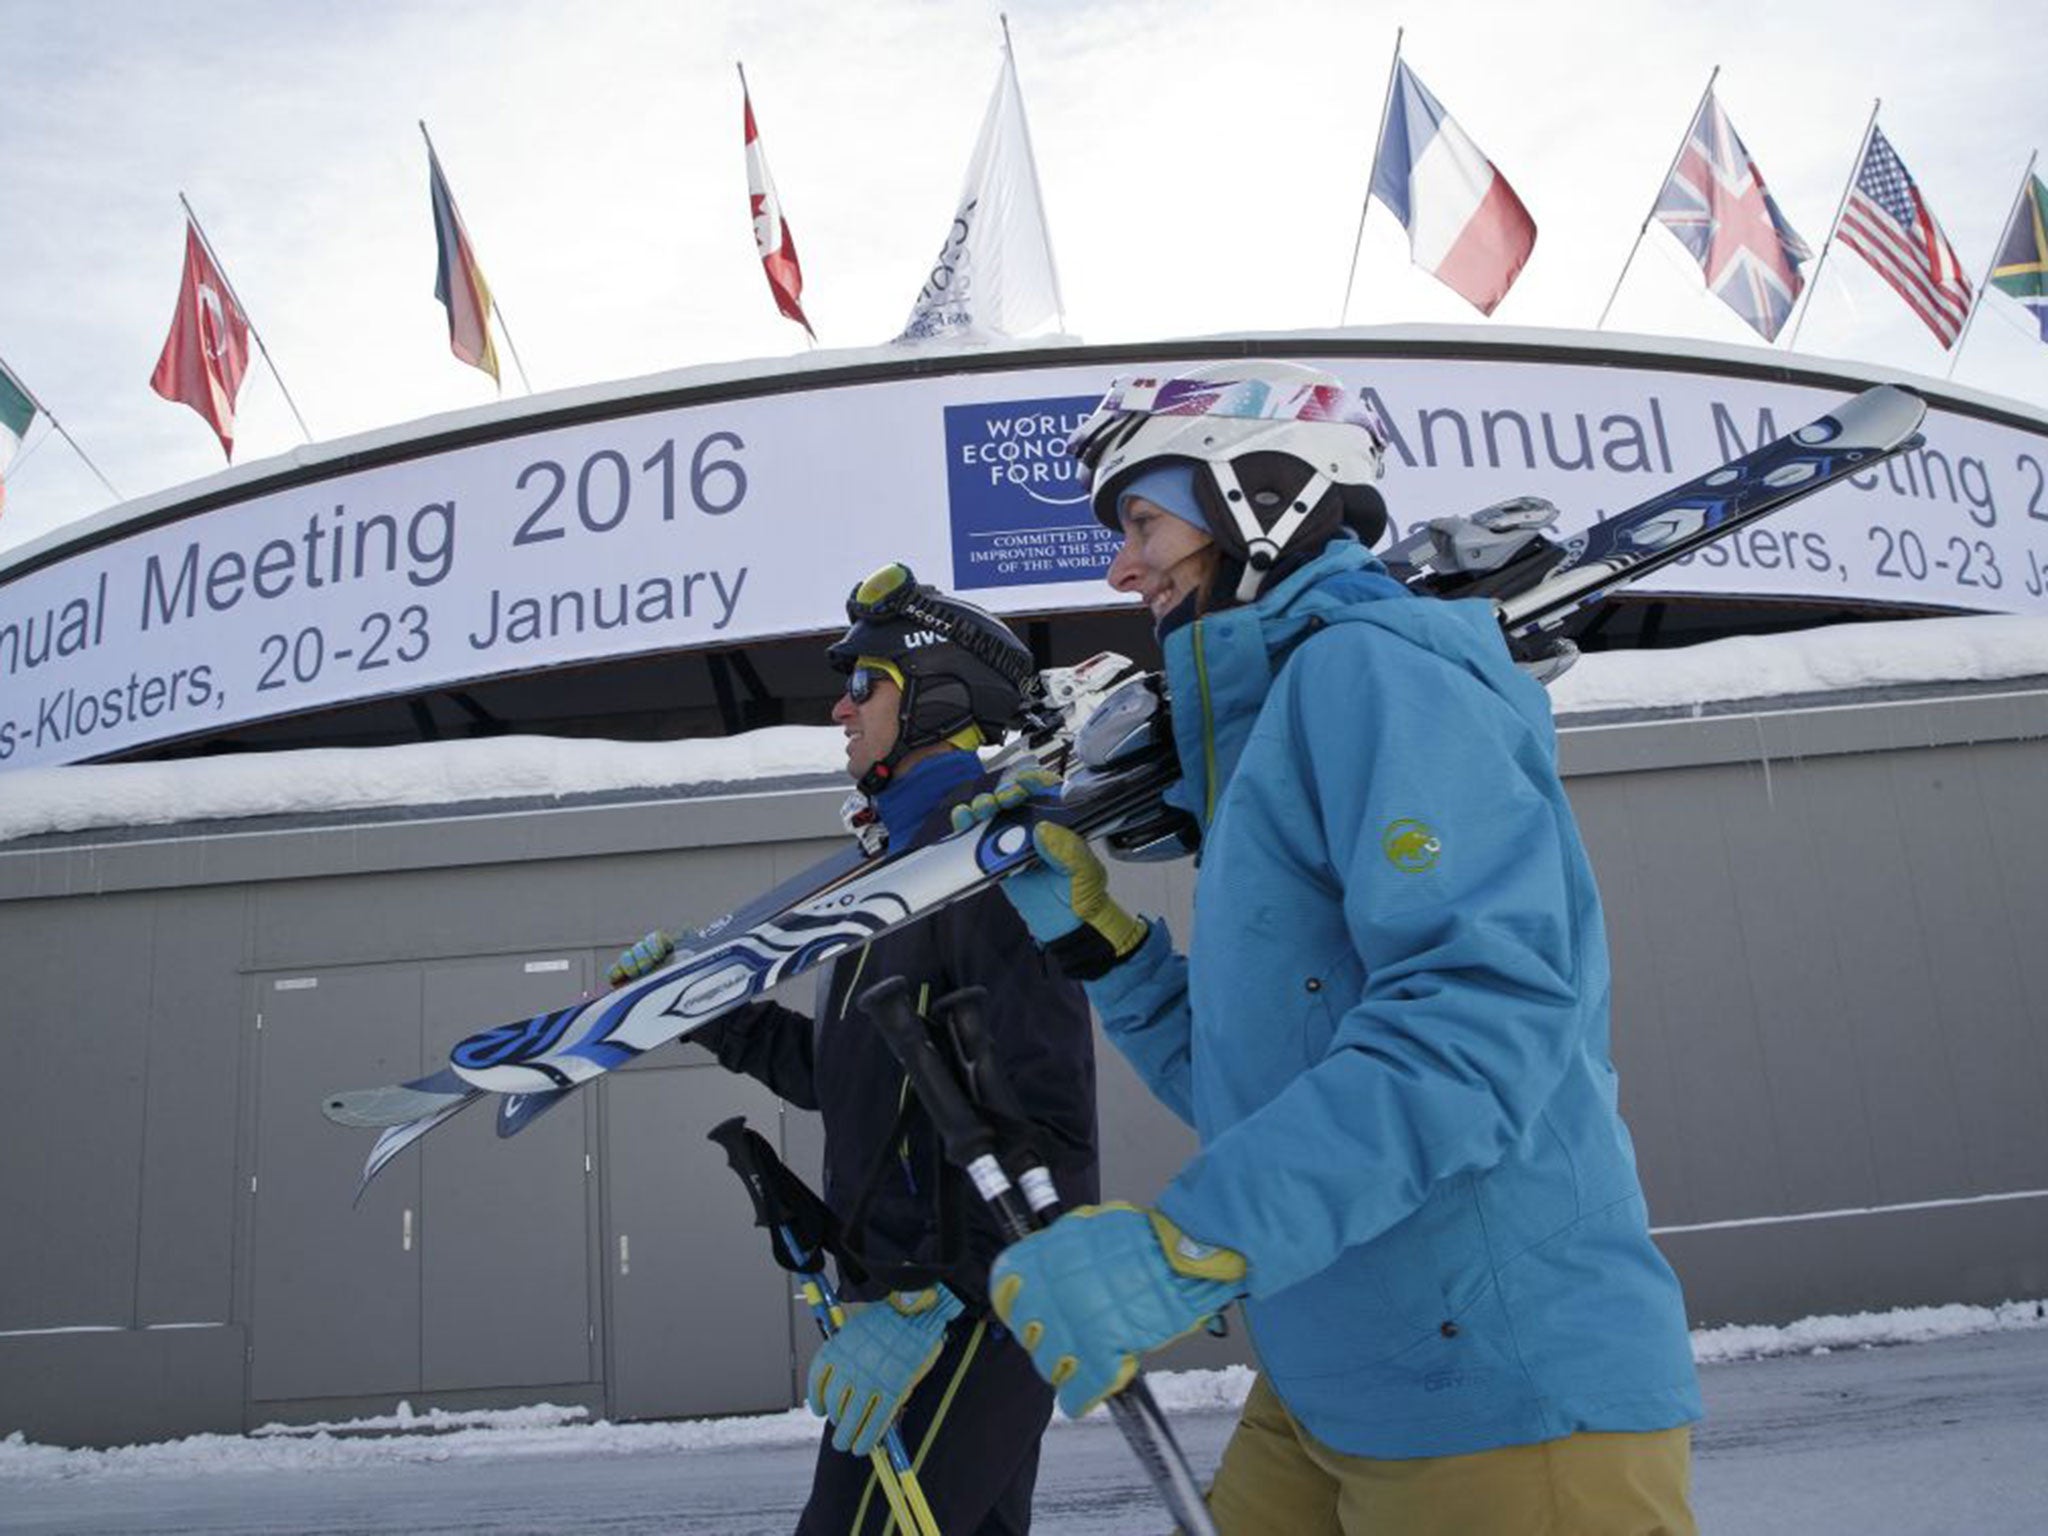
2020	269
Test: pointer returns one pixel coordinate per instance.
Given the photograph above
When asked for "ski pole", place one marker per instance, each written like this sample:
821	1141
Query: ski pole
802	1232
990	1091
970	1143
1018	1140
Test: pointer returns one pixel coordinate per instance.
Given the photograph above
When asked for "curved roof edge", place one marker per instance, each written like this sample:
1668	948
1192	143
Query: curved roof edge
833	367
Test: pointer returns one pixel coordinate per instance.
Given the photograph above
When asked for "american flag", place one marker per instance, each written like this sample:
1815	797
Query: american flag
1889	224
1716	203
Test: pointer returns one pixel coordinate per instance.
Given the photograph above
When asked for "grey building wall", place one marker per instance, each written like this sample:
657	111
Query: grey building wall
1829	993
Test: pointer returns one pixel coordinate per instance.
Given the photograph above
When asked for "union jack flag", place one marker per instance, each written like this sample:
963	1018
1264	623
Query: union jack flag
1889	225
1716	203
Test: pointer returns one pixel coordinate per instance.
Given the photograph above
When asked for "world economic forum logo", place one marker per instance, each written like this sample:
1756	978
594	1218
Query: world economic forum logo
1018	504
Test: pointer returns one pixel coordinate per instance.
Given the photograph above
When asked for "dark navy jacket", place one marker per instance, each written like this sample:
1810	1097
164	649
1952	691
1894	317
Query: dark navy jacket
837	1065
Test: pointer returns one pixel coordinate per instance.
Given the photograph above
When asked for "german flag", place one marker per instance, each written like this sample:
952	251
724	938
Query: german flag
459	281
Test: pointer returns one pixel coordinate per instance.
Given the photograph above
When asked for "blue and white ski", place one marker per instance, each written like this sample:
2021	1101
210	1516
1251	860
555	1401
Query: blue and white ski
1125	752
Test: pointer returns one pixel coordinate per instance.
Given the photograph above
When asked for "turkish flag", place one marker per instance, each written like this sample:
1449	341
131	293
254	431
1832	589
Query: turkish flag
207	352
771	230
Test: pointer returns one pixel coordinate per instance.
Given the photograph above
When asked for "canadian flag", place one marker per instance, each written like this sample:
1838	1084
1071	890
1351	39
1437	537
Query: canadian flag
771	230
207	352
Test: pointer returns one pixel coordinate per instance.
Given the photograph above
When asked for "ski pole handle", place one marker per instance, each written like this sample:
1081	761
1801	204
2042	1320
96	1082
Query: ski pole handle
781	1202
748	1154
962	1012
967	1138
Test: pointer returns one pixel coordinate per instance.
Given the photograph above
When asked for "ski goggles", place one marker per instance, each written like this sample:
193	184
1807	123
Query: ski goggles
866	674
1132	402
883	595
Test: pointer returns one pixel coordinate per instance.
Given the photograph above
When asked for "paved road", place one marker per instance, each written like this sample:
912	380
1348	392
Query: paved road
1920	1440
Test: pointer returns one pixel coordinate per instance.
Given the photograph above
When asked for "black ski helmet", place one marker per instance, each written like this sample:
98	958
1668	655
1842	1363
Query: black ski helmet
961	666
1284	456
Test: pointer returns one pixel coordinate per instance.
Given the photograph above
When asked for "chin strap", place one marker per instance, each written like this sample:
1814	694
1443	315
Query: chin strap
1263	546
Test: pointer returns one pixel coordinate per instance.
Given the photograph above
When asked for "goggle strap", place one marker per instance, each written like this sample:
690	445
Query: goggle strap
984	648
1241	400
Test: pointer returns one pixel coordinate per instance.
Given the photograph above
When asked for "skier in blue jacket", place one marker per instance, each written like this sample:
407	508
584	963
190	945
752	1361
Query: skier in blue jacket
1390	1029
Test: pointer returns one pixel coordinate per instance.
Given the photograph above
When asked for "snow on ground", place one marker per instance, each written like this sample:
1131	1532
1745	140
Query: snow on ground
69	799
546	1430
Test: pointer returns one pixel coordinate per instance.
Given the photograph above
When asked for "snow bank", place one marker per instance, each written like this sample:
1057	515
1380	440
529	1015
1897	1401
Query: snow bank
547	1430
71	799
1862	1330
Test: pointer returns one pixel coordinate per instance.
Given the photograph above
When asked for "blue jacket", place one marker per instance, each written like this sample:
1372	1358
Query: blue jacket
1391	1033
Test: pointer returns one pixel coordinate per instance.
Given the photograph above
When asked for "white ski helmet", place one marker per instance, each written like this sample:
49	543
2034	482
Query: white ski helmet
1290	455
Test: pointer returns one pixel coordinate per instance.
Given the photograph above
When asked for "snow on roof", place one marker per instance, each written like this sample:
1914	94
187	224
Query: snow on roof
1836	659
36	801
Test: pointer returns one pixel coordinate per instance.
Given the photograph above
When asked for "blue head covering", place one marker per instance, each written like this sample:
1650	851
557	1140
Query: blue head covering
1171	488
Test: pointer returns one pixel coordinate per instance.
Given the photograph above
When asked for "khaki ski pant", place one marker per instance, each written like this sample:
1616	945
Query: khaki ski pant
1277	1480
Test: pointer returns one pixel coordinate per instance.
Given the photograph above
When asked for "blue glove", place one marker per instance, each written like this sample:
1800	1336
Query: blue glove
863	1373
1103	1285
643	957
1064	900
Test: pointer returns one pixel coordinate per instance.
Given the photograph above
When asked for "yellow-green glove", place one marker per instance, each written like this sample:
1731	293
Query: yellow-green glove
1065	899
863	1373
647	955
1103	1285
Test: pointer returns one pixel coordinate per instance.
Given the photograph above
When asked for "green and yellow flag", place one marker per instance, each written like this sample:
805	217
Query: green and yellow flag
2021	267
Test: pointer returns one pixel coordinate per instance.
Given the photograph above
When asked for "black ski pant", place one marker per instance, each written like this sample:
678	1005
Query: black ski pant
971	1428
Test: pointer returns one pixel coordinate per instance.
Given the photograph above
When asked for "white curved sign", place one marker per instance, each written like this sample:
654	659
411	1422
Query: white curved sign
750	517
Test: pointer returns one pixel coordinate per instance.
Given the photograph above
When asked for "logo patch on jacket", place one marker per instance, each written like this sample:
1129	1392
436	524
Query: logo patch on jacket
1411	846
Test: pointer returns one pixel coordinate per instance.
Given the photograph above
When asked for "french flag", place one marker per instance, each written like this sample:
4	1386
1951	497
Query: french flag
1465	225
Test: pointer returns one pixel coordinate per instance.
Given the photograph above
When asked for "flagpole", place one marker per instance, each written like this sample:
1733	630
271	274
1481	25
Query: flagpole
1059	307
1828	244
496	308
2019	201
1373	170
30	395
1644	228
221	267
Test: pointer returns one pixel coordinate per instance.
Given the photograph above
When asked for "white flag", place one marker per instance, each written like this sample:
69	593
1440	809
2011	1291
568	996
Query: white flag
994	275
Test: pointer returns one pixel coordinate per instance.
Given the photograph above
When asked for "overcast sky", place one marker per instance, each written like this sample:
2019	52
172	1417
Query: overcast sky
1203	166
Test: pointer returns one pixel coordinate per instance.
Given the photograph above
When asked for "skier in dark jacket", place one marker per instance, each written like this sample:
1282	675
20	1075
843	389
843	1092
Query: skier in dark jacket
1389	1031
922	692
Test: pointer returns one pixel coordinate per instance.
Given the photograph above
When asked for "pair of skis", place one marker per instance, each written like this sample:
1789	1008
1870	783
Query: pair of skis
1125	761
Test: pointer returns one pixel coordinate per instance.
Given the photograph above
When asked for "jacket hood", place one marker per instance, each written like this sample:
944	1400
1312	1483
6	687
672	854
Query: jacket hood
1221	667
